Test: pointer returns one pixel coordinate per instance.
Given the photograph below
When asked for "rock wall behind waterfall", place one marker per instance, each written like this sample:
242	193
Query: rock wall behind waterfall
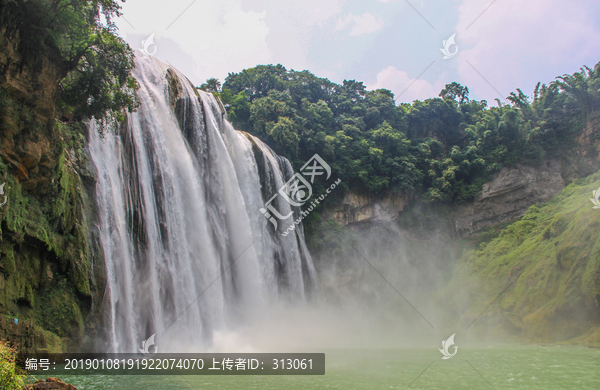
179	193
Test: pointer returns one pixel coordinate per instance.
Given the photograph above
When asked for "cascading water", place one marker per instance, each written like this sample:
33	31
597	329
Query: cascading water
179	193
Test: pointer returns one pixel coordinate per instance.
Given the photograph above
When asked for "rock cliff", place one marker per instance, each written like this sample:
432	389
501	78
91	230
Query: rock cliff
506	197
46	278
365	208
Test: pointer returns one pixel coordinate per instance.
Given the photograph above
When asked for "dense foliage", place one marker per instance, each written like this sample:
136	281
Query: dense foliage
77	37
444	148
10	378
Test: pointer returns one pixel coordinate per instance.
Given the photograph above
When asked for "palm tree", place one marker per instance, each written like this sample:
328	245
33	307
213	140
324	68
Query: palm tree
583	86
211	85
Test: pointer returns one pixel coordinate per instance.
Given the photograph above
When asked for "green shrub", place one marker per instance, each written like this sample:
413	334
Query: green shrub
9	377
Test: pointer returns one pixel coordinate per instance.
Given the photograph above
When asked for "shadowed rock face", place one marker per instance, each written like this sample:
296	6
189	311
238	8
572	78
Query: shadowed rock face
508	196
44	257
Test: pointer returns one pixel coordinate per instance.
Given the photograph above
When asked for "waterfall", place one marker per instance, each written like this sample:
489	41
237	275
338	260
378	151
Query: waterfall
179	193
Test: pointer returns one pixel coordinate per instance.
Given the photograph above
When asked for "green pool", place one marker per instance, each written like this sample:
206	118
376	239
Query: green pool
492	367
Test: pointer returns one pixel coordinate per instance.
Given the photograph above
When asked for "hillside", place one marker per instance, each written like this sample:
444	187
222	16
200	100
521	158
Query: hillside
442	149
540	275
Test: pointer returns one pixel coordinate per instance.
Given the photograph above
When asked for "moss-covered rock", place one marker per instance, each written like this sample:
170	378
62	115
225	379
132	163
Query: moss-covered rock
59	309
45	262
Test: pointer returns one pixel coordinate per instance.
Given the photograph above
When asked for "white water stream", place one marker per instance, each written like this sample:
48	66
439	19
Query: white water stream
178	192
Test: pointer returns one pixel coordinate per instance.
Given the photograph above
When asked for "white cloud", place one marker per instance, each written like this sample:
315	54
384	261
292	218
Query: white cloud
217	37
514	44
404	88
366	23
212	38
311	12
295	26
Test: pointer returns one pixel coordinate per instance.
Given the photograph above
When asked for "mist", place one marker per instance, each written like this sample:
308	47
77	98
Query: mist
382	287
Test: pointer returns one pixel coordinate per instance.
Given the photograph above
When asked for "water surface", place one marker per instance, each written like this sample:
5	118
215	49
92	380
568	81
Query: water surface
492	367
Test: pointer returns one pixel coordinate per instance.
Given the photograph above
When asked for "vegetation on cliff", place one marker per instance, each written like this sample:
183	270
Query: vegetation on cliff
77	38
444	148
10	379
61	64
539	277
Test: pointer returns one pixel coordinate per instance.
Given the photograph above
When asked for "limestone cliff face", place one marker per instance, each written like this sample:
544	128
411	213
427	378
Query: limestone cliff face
513	190
504	198
35	87
364	208
508	196
28	106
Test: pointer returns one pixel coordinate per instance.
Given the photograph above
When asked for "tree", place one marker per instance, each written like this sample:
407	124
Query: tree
10	378
584	86
456	92
268	110
101	86
284	136
211	85
445	148
77	37
258	81
238	108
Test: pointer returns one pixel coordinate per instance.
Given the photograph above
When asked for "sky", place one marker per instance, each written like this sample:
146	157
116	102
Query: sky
499	45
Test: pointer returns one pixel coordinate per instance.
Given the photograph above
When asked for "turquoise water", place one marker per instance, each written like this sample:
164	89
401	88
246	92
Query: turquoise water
498	367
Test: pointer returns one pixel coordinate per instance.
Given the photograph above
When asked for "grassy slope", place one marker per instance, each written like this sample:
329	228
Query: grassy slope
549	264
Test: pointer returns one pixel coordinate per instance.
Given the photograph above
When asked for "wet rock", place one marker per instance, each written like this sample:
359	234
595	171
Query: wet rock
29	185
32	155
21	172
50	384
45	161
42	185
